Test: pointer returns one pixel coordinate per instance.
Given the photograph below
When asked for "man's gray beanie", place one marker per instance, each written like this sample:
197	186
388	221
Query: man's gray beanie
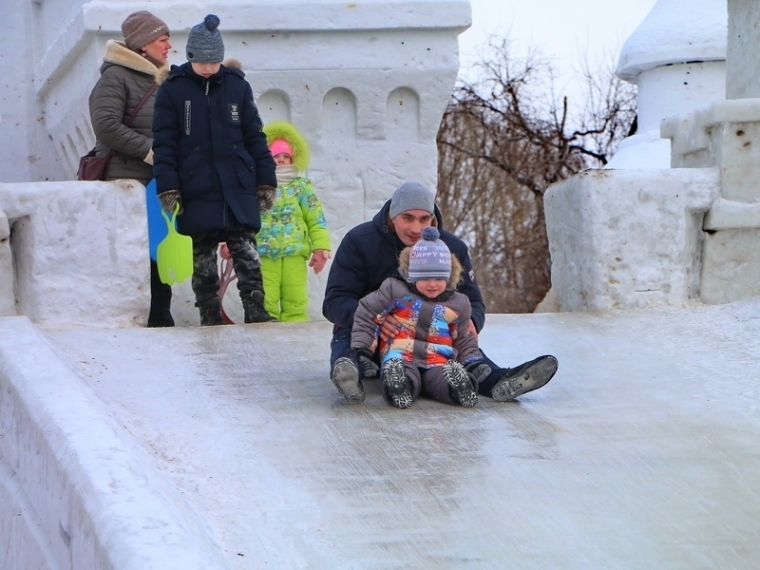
204	44
411	196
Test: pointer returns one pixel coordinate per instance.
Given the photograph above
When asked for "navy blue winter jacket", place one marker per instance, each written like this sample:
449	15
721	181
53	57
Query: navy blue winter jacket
208	144
368	254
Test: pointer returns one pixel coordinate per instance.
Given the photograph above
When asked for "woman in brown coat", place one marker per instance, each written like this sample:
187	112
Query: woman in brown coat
130	68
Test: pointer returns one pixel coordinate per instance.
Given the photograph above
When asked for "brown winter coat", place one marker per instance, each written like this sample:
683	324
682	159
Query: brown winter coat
125	77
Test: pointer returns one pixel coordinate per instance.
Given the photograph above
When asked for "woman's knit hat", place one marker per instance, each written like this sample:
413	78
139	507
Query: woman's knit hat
281	136
204	43
429	258
141	28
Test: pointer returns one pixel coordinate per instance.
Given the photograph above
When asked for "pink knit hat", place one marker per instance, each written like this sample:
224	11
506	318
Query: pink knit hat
279	146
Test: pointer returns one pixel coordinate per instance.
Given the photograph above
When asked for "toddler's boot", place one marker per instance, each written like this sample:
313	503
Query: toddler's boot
211	312
253	304
397	384
460	385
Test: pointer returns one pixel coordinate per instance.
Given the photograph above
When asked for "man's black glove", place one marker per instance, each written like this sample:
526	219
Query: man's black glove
479	369
367	365
265	195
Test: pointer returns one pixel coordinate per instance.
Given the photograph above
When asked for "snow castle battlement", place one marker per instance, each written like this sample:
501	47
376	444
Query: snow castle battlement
652	235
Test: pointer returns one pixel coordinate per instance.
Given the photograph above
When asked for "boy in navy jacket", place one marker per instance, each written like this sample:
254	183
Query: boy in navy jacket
212	162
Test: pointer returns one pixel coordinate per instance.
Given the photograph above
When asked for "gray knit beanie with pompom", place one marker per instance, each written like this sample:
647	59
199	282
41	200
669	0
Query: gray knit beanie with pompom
204	44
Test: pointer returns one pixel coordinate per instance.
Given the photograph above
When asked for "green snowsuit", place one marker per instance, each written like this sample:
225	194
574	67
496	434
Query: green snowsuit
290	232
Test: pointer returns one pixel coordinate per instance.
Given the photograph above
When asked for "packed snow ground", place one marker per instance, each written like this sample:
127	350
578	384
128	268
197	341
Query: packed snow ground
641	453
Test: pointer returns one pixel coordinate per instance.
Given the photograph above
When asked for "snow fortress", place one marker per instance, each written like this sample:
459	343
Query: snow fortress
687	231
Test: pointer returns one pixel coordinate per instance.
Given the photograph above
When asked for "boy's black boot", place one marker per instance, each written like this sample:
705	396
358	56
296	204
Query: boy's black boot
211	312
397	384
253	305
460	384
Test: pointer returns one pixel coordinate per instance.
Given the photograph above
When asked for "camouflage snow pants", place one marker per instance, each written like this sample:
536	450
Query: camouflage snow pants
245	260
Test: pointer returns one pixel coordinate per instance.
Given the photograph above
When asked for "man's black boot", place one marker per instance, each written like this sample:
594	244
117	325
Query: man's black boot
532	375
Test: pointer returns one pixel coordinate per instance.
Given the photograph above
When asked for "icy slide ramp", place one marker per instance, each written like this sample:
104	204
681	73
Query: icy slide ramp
228	447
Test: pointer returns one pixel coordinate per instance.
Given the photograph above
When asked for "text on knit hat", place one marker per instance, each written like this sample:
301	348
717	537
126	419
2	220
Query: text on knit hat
429	258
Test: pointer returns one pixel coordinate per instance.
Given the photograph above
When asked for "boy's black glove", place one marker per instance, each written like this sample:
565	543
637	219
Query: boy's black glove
479	369
266	197
368	366
169	199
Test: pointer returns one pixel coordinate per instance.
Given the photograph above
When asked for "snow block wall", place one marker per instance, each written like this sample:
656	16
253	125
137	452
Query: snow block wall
77	492
726	135
743	65
367	84
73	252
651	236
628	238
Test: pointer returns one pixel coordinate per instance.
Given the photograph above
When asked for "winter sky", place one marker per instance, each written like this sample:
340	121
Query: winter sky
564	31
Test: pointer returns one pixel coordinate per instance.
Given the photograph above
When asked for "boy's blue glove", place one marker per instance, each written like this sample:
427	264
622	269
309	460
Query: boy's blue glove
367	365
265	195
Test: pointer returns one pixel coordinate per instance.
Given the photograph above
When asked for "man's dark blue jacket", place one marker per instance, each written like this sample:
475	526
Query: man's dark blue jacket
368	254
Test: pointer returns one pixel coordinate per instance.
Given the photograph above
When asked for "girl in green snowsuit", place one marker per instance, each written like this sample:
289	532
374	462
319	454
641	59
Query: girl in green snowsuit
293	231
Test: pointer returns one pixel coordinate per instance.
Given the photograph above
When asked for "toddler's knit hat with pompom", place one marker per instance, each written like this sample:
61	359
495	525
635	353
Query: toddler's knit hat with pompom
429	258
204	44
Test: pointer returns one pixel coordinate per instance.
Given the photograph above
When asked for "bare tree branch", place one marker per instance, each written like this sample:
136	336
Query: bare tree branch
502	142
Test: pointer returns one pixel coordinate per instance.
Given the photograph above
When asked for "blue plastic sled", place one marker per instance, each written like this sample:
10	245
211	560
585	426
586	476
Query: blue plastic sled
157	229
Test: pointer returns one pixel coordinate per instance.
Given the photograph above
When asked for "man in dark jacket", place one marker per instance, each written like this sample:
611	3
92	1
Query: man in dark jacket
212	162
367	255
